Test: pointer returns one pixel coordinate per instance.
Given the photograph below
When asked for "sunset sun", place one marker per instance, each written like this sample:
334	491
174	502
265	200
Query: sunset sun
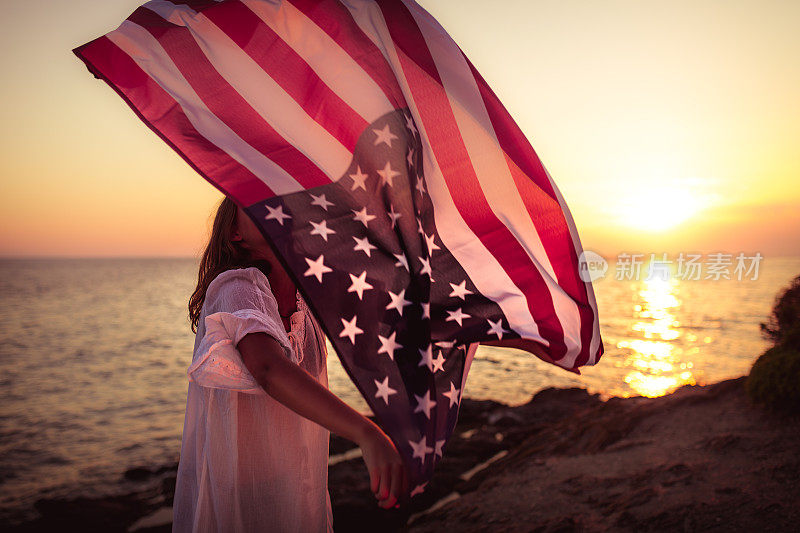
659	208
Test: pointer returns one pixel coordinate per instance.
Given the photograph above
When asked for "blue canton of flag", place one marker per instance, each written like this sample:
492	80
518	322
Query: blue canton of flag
398	308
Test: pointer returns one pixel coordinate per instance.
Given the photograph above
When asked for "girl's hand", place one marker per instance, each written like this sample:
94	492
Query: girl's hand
387	473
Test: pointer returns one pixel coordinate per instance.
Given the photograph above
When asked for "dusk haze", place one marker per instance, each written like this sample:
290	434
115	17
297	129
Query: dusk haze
668	127
400	265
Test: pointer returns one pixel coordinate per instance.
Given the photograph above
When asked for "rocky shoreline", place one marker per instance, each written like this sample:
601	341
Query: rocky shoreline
701	458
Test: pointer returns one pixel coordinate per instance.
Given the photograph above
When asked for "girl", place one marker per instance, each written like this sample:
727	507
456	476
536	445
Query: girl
254	453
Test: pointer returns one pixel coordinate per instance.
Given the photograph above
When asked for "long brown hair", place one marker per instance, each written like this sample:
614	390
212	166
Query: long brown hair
221	254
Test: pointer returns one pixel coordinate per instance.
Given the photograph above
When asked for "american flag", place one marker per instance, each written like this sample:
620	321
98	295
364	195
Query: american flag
411	211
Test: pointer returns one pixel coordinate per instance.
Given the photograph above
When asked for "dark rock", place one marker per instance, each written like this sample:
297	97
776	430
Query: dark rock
138	473
107	514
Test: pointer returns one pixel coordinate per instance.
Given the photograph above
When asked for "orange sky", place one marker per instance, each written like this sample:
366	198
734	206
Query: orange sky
667	126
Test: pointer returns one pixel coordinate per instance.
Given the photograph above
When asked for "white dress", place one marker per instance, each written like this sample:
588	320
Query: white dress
248	463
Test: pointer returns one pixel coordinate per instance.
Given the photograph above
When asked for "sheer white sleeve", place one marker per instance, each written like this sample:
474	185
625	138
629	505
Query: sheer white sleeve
238	302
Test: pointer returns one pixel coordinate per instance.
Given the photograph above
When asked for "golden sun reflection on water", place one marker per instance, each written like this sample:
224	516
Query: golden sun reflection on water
657	365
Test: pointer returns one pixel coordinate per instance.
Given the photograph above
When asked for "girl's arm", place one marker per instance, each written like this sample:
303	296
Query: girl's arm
299	391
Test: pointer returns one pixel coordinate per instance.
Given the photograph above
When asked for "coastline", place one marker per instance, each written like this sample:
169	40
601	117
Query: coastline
702	457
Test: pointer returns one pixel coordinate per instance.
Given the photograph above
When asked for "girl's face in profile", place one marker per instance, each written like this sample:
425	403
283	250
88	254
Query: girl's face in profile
249	236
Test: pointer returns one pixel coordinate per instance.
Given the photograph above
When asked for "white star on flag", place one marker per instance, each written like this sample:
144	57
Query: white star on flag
387	174
402	260
384	135
439	444
452	395
424	404
359	284
392	215
389	345
420	186
419	489
384	390
320	201
363	245
410	125
457	315
362	216
321	229
438	363
431	245
421	448
426	268
276	213
398	301
317	268
496	328
358	179
427	357
350	329
460	290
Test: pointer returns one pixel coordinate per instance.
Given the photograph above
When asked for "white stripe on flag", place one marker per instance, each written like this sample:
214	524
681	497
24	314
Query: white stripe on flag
491	169
149	55
265	95
576	242
483	268
332	64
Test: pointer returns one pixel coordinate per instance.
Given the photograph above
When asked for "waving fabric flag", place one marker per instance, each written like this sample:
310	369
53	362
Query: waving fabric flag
411	211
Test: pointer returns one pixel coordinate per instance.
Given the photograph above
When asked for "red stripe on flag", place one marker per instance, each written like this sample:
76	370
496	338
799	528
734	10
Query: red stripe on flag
224	101
166	118
335	20
531	179
290	71
557	243
445	138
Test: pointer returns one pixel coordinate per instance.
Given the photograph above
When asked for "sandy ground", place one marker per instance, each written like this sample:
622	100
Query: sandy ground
700	459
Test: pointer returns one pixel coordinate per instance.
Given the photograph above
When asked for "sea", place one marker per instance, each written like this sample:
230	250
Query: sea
94	355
